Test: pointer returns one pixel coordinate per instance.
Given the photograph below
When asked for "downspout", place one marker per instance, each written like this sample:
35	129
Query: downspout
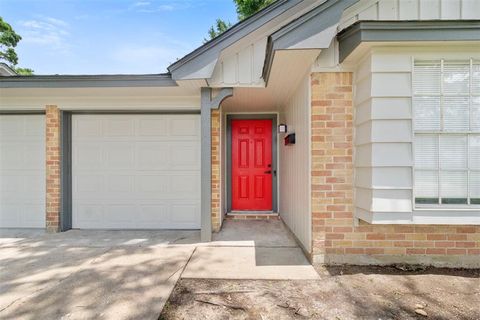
207	105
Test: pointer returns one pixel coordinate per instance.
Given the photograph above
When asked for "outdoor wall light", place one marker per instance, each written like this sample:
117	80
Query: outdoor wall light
282	128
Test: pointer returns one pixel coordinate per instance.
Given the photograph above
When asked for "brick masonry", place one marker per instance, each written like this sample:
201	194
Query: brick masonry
335	238
52	168
216	180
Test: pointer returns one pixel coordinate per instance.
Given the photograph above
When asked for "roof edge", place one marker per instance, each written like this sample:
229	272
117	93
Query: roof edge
233	29
9	70
198	63
83	81
317	20
410	30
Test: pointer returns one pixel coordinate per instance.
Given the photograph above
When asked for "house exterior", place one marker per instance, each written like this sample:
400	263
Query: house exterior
379	164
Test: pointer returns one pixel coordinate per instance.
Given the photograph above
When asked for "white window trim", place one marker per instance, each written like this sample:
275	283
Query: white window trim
425	208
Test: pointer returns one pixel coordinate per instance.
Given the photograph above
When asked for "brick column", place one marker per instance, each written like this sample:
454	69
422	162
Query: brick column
53	168
216	214
332	167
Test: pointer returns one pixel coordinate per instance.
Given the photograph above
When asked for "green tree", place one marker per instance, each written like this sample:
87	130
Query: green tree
24	71
219	28
8	41
245	8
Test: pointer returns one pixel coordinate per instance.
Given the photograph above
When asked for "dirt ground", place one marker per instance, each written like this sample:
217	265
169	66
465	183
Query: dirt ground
342	293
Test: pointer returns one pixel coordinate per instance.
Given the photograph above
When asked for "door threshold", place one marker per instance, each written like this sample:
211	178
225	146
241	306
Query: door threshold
251	213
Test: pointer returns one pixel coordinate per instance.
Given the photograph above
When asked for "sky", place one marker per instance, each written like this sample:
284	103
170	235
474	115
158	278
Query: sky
109	36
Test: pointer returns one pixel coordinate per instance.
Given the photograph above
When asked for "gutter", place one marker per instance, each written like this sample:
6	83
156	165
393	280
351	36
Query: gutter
87	81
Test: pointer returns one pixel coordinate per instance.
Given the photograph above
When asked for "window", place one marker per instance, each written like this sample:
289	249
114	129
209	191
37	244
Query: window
446	106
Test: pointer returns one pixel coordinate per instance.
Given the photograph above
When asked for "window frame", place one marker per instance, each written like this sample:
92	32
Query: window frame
441	132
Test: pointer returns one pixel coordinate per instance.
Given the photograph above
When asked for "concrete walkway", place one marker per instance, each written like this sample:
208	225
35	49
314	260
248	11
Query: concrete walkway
130	274
251	250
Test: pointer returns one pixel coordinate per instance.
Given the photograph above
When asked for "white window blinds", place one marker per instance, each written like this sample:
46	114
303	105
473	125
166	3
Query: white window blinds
446	110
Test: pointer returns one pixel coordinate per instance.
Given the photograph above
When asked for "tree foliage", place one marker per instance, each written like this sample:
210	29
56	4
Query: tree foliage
245	8
8	41
220	27
24	71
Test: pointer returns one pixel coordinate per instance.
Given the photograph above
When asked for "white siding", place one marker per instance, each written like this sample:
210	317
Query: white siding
410	10
383	156
383	134
295	166
242	67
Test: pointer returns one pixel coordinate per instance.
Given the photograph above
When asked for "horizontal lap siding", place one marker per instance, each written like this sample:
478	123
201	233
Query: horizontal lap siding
383	134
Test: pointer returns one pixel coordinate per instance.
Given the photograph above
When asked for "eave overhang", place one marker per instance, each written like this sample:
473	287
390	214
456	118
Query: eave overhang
6	71
205	57
87	81
399	31
314	30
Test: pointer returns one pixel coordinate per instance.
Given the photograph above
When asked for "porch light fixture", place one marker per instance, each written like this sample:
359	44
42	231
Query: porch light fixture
282	128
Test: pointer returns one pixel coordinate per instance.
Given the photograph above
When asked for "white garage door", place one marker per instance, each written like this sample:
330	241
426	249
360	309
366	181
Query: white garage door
22	171
136	171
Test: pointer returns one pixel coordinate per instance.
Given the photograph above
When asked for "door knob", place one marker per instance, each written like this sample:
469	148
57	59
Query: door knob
269	171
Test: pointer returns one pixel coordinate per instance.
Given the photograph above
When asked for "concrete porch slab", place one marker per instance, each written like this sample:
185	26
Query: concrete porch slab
262	233
251	249
267	263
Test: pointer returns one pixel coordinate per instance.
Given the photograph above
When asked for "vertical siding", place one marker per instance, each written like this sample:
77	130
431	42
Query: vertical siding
295	166
410	10
242	67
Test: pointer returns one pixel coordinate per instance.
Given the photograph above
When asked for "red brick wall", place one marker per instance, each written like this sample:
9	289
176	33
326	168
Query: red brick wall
52	168
335	238
216	158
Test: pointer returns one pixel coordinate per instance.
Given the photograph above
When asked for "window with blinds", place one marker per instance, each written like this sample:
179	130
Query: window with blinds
446	111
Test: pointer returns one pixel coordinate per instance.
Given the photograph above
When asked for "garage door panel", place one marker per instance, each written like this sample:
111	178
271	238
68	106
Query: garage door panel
87	156
12	126
118	184
22	155
11	183
11	215
149	214
88	215
119	128
119	155
34	215
33	127
184	156
22	171
87	185
185	184
14	158
86	127
148	176
152	127
34	186
184	127
184	212
154	185
119	215
153	155
33	152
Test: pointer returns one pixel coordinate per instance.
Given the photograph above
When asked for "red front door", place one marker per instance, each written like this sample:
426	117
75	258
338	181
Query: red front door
252	165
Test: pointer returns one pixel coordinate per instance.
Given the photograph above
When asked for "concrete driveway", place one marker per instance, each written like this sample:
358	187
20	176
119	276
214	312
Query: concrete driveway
90	274
130	274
